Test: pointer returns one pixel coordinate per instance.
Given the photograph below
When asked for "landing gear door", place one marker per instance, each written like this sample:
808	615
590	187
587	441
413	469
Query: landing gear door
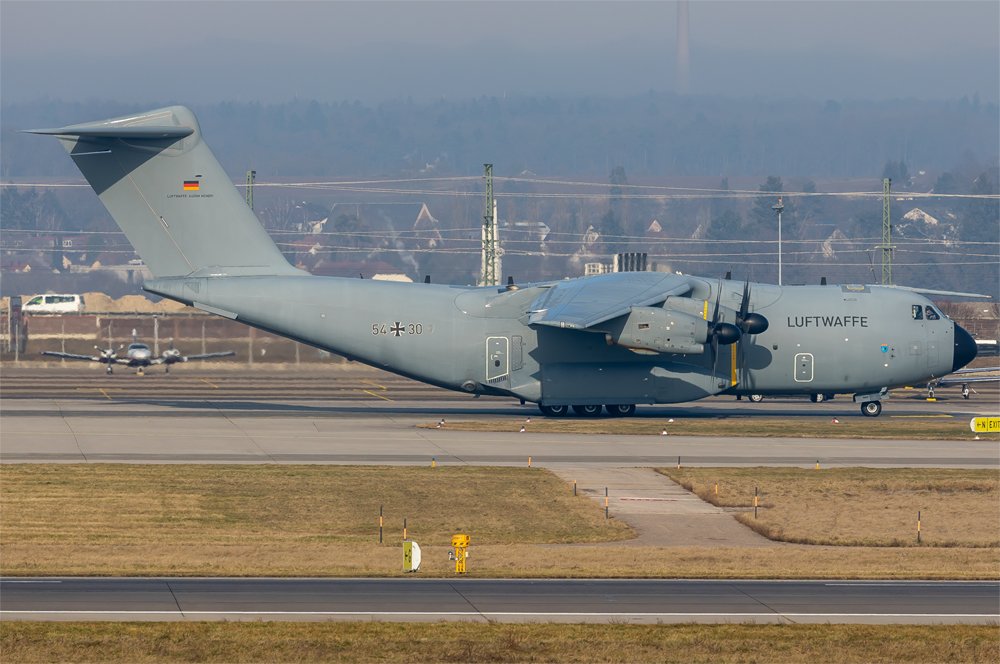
497	360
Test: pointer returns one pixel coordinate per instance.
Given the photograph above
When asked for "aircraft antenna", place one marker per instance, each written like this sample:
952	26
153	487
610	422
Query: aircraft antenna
251	176
490	253
886	245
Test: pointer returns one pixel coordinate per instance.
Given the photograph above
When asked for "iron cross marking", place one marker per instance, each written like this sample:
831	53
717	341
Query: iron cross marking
397	328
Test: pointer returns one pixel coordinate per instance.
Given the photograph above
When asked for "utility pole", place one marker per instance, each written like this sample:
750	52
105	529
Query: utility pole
490	252
251	176
886	245
778	207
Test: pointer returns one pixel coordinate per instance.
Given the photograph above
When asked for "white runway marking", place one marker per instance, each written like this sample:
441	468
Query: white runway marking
515	614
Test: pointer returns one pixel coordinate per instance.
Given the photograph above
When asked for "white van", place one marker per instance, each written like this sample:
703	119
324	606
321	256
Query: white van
53	304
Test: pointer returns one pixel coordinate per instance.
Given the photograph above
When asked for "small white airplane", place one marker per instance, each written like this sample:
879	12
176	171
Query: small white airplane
138	355
965	377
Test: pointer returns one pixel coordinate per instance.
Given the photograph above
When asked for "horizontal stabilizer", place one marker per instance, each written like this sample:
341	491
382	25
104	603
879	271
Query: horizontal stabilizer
102	131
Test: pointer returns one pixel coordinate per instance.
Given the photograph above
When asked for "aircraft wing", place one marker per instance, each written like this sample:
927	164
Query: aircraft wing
977	375
174	358
582	303
962	380
206	356
928	291
72	356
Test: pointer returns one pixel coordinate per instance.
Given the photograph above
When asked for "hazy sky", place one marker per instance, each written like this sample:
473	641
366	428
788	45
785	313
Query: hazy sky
202	52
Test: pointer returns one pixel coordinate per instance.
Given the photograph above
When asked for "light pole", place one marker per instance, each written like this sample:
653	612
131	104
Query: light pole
778	207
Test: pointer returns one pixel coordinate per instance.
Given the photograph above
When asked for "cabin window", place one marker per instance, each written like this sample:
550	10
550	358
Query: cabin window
918	312
931	313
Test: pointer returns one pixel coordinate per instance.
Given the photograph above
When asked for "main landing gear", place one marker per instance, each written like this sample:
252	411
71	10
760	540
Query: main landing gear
871	403
871	408
591	410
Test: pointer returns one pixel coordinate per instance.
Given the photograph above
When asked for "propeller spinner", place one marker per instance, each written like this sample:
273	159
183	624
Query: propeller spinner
749	323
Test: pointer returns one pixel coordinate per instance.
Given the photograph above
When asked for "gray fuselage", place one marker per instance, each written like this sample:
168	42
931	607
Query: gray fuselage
821	339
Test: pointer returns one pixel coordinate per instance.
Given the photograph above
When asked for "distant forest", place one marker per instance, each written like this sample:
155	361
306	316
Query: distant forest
651	136
625	144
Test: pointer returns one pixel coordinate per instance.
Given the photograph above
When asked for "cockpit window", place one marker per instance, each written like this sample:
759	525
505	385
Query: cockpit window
138	347
918	312
931	313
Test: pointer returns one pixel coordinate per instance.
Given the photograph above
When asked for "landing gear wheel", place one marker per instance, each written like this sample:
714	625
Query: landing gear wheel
871	408
621	409
554	411
587	411
109	370
817	398
756	398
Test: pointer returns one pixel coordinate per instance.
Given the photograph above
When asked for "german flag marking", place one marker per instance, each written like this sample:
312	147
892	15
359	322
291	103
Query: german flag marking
192	185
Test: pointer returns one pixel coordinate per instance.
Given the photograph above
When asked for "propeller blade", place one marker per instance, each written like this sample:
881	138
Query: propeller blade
715	355
745	302
718	296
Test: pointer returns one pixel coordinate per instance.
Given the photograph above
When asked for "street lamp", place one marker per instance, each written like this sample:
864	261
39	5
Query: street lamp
778	208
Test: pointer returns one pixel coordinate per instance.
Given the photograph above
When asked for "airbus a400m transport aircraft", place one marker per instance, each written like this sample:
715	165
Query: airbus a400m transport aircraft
606	342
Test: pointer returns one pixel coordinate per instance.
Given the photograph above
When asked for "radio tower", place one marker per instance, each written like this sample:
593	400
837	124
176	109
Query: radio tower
251	176
490	275
683	52
886	245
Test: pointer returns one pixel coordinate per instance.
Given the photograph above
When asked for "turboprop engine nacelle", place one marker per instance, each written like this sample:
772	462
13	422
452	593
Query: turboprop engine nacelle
659	330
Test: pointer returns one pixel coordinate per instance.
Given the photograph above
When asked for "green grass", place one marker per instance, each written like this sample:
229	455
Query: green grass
465	642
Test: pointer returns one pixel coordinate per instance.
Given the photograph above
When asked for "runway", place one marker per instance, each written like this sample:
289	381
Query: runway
505	600
361	416
63	431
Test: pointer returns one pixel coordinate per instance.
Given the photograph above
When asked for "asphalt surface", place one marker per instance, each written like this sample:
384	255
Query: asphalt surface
361	416
507	600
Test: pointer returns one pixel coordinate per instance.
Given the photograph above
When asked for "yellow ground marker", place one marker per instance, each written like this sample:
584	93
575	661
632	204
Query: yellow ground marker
106	395
209	383
380	388
376	394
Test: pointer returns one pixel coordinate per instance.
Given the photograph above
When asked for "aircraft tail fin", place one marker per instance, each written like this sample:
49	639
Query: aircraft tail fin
169	194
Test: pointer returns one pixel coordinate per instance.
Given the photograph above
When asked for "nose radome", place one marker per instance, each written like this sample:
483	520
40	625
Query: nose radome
965	348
